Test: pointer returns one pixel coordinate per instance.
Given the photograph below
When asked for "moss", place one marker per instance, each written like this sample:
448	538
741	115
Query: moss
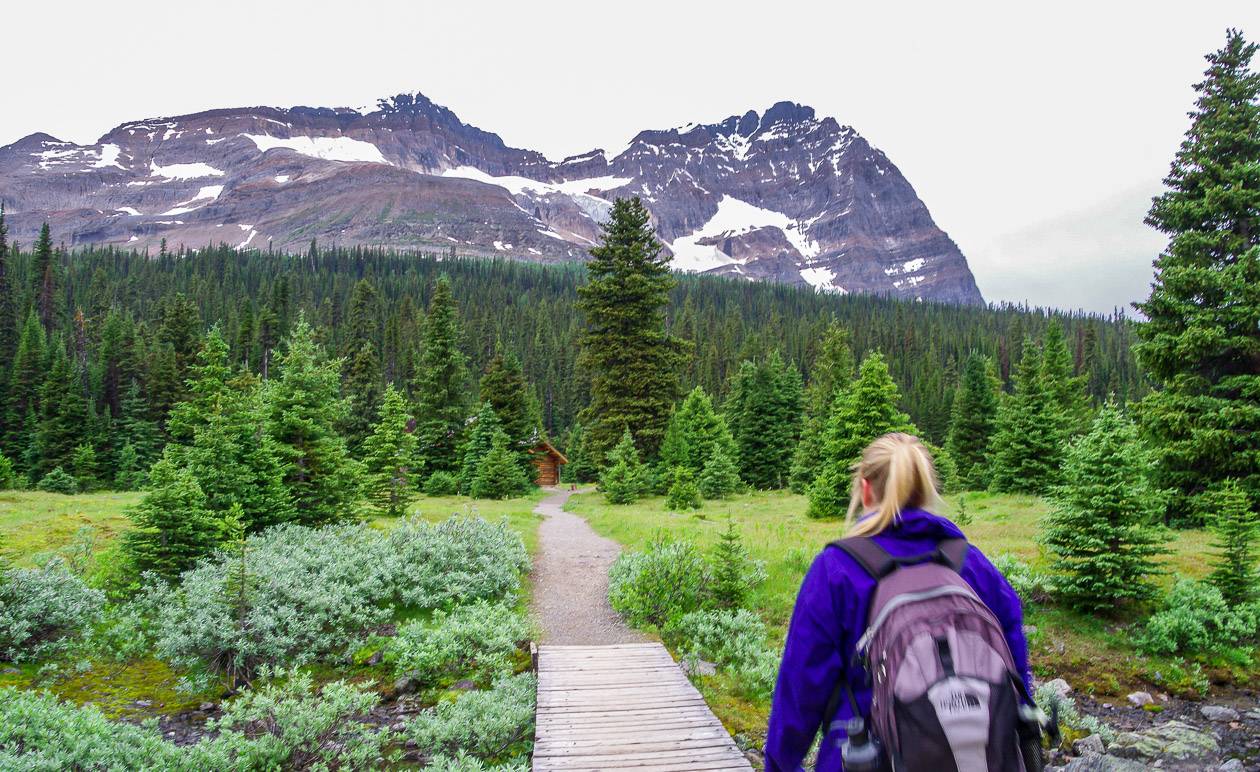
116	688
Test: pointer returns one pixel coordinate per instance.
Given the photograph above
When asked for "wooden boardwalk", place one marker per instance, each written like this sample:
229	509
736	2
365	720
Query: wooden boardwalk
624	707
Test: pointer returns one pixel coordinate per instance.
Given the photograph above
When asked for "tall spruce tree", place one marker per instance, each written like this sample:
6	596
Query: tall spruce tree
696	431
764	412
832	371
1028	444
499	474
389	456
441	384
363	388
8	308
503	387
1237	533
24	385
625	477
64	415
1202	333
973	419
205	388
862	413
632	359
580	468
481	433
1066	390
173	527
44	281
1100	526
305	408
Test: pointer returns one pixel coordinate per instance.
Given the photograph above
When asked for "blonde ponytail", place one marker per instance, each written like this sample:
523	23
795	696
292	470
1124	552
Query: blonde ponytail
901	475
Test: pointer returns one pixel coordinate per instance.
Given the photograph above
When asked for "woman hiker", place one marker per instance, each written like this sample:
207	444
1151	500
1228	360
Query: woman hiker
951	679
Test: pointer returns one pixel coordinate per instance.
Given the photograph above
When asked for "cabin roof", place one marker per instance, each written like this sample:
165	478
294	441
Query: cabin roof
547	447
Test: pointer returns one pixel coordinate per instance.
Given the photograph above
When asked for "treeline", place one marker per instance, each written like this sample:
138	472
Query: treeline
110	325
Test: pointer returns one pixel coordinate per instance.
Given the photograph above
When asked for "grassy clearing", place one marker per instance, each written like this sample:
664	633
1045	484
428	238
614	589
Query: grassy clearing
1095	655
33	523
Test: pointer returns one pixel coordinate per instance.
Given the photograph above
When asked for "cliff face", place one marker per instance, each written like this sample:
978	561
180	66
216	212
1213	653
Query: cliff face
781	196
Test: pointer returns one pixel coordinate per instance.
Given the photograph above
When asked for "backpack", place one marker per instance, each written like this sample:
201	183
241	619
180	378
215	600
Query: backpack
945	694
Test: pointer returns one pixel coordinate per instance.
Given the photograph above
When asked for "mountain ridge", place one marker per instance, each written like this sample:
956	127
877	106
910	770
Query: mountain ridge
779	195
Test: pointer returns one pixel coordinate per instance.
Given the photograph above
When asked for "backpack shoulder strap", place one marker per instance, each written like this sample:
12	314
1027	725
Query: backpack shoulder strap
873	558
953	552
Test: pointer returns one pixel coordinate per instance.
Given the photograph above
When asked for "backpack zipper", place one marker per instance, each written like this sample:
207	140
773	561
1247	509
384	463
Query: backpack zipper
903	599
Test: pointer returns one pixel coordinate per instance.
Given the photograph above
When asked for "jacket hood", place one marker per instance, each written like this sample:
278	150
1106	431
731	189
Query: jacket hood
921	524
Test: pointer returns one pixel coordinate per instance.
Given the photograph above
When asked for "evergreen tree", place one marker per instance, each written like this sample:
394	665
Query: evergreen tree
1201	337
695	432
1099	529
58	481
499	474
1069	402
764	411
206	387
8	309
720	477
481	435
832	371
1028	443
503	387
973	421
305	409
579	469
632	360
173	527
363	388
441	385
129	471
683	492
8	477
625	478
389	453
134	428
862	413
44	275
1236	530
24	385
64	412
732	569
85	469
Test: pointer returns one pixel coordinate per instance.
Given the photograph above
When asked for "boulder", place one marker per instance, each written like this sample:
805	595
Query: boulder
1091	744
1059	687
699	668
1233	765
1099	762
1218	713
406	685
1140	699
1172	742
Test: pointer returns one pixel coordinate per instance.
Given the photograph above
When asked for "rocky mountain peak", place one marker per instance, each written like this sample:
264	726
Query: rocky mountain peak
778	195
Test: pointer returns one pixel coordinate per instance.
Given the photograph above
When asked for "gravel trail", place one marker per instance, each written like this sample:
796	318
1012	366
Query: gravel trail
570	576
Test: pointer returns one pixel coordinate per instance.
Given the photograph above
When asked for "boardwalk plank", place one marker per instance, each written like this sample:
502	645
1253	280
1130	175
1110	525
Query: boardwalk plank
624	707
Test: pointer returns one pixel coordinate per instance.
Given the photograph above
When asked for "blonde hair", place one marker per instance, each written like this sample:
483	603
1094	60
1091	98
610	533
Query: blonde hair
901	475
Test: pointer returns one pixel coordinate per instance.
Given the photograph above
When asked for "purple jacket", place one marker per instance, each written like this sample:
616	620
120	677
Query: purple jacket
831	615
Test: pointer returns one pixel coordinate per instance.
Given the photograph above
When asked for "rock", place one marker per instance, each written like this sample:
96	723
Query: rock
701	667
1252	715
376	658
143	703
411	744
11	671
1172	741
1218	713
1030	630
206	706
1233	765
1140	699
1059	687
399	726
1091	744
466	685
406	685
1098	762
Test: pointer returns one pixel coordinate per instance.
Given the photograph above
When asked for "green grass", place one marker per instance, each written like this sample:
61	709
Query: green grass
1093	654
33	523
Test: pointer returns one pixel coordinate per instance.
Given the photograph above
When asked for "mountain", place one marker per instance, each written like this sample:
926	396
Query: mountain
781	195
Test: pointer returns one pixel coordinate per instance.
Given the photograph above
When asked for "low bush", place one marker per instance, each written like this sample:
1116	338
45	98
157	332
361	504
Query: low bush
735	574
1031	586
462	762
459	560
734	640
43	609
476	641
441	484
1196	621
665	581
1052	703
8	478
495	724
289	724
58	481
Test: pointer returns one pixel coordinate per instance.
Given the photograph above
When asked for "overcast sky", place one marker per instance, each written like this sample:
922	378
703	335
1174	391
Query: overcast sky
1036	137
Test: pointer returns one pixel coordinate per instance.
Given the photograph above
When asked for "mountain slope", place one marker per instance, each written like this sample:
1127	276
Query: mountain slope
781	195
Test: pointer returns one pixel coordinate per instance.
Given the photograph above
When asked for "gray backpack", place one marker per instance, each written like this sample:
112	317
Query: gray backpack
945	692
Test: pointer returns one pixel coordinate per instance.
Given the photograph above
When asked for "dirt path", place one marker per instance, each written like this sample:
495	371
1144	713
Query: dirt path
571	580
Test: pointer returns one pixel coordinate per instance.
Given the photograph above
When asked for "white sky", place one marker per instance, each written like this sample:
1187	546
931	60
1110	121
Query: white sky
1036	136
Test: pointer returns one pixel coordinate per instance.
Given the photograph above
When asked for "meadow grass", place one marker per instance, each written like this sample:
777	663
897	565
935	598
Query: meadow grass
33	523
1096	655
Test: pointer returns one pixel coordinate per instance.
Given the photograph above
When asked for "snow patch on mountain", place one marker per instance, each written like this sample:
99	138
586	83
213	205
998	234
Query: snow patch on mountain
734	217
191	171
109	154
206	196
325	148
